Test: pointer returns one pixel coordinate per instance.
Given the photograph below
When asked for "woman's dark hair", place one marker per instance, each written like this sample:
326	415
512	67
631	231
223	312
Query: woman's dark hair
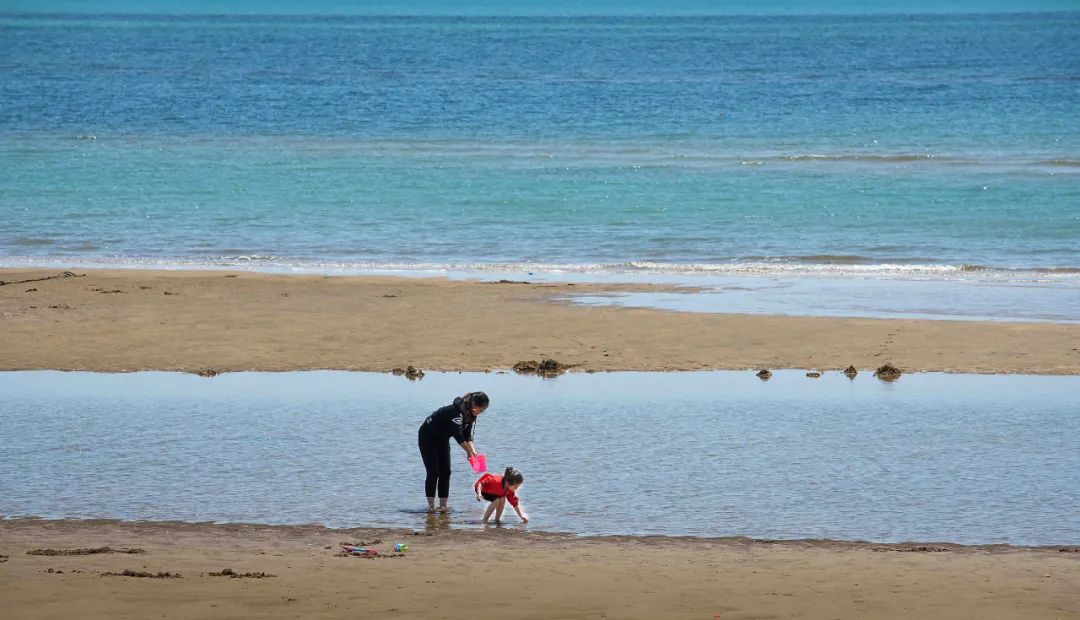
476	399
511	477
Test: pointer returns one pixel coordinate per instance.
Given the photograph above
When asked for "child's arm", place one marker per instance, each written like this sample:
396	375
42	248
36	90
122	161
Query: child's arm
524	517
476	487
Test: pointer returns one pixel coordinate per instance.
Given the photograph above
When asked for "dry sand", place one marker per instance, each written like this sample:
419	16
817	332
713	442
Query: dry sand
191	321
482	574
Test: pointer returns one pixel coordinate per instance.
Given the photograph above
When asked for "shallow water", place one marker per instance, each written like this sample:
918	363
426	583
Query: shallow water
1037	300
962	458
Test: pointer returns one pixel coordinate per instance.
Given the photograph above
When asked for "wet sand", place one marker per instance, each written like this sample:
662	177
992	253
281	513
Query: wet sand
457	574
127	320
194	321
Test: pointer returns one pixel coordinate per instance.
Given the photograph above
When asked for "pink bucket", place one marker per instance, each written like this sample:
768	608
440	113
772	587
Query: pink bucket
478	463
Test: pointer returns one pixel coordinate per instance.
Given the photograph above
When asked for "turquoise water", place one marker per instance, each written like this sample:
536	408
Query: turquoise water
932	457
886	148
528	8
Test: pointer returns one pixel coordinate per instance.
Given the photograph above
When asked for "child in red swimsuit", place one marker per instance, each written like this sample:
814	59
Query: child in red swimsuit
498	490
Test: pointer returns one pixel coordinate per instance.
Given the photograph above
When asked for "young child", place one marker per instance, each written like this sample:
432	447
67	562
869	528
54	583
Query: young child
498	490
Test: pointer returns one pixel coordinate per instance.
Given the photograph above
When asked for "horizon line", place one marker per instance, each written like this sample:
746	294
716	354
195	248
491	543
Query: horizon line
537	15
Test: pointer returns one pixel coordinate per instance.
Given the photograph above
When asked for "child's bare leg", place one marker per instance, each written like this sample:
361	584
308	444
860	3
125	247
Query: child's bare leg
499	505
490	509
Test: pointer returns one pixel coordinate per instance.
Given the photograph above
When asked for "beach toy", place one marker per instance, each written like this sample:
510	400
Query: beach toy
366	552
478	463
400	548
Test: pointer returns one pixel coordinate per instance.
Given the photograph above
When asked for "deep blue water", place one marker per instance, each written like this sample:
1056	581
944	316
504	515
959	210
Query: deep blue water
529	8
932	457
886	147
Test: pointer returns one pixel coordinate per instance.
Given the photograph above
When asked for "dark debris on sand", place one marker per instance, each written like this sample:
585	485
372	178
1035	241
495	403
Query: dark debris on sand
369	556
547	368
144	574
93	551
63	274
228	572
915	549
814	375
209	372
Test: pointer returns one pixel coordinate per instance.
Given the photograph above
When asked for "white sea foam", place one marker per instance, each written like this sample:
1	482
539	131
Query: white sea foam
829	267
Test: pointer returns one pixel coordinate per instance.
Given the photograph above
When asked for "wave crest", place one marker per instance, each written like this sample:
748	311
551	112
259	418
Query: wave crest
899	158
838	266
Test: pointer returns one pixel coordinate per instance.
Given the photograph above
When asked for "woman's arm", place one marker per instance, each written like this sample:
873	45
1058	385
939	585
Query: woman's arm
467	446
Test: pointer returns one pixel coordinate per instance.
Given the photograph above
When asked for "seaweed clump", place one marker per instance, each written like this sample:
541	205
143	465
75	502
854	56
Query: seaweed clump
547	368
888	372
412	373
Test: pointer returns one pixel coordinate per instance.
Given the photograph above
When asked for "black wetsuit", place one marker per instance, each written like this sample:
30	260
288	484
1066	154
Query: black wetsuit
434	441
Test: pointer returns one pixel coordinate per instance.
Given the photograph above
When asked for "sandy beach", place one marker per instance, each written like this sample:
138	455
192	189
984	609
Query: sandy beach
467	574
193	321
129	320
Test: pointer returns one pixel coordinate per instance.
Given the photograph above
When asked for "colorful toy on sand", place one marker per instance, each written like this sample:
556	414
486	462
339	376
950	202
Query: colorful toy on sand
369	552
366	552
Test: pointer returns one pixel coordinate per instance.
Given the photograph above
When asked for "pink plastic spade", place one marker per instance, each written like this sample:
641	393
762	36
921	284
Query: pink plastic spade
478	463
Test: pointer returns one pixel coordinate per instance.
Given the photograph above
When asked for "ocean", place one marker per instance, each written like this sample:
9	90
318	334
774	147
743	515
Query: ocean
829	151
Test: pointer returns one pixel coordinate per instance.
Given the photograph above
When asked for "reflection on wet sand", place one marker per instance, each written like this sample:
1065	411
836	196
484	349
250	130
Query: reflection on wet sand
437	520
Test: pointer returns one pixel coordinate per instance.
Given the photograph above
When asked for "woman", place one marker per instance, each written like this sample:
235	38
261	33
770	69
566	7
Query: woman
455	420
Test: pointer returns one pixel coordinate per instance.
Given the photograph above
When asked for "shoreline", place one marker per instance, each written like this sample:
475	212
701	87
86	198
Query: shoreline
19	523
110	569
193	321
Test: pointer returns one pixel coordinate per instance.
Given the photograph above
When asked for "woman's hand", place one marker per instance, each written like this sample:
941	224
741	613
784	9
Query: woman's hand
470	451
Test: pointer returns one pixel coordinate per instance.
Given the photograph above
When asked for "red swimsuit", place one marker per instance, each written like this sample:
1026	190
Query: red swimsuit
491	484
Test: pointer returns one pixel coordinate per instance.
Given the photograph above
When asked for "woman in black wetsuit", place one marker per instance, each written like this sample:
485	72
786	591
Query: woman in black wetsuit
454	420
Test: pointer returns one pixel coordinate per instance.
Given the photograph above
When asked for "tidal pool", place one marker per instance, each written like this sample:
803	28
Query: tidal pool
931	457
